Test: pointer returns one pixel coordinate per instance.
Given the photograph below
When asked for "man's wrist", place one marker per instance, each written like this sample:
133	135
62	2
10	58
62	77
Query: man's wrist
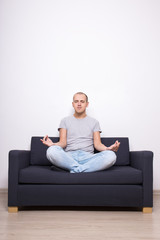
51	144
108	148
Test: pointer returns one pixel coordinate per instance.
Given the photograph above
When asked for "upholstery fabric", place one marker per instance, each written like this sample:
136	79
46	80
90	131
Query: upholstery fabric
38	151
114	175
80	195
33	185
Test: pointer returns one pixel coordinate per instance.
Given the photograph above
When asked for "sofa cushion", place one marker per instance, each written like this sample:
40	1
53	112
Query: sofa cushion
123	151
38	150
114	175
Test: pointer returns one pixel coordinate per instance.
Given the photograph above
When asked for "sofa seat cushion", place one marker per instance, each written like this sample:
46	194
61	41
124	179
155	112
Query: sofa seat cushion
113	175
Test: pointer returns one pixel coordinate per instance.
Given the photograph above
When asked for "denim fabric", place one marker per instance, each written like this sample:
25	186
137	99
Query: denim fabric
80	161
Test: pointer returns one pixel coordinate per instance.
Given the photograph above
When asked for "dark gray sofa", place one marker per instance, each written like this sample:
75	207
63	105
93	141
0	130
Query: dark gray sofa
33	182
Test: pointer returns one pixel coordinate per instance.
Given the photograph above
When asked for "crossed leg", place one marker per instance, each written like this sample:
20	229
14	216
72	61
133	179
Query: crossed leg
92	162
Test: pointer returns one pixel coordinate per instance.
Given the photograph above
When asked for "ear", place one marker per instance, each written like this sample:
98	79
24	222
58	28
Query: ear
87	104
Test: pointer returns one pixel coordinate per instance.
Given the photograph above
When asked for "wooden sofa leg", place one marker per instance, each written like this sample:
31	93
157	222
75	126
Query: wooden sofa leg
12	209
147	210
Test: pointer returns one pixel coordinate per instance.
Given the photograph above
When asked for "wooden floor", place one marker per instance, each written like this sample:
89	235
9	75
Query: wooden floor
59	224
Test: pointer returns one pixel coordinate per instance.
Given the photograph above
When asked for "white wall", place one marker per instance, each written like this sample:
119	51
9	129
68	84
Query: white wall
51	49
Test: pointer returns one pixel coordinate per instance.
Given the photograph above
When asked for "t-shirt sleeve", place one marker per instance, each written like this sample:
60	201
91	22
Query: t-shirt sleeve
97	127
62	124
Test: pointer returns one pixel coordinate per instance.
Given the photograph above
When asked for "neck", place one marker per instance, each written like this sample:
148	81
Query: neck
80	115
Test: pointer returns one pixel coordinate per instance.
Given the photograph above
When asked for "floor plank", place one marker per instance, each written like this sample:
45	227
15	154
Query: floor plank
59	224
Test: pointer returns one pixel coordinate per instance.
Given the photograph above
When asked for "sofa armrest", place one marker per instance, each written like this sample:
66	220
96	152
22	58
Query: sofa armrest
18	159
143	160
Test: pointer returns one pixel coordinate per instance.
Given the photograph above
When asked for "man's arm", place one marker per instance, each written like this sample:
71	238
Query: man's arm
62	141
101	147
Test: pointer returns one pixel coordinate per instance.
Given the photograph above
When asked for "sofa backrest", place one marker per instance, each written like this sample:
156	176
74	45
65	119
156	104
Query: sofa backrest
123	151
38	150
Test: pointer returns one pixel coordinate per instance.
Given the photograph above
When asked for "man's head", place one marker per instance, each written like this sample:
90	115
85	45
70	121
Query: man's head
80	102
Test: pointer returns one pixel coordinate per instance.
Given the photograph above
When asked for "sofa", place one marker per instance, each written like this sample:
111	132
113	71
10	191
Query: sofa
34	182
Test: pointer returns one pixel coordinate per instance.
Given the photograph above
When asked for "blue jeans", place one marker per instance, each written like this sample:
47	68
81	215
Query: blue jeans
80	161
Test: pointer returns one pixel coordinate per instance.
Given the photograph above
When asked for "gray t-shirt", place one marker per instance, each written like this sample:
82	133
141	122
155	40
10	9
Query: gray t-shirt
80	133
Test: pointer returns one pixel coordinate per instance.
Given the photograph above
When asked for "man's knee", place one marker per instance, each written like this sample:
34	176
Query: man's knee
112	156
52	150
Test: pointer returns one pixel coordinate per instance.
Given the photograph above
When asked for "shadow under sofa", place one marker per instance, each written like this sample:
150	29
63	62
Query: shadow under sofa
33	182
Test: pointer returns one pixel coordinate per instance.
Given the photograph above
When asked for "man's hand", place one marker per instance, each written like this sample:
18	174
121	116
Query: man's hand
114	147
47	141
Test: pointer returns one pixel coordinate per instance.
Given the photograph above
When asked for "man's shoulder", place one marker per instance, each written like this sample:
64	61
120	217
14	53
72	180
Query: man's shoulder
91	119
65	122
94	123
68	118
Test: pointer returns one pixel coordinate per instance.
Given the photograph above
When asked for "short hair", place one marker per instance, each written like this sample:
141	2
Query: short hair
83	94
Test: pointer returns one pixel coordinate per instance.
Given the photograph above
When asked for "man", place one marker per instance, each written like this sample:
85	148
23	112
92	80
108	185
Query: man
79	135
